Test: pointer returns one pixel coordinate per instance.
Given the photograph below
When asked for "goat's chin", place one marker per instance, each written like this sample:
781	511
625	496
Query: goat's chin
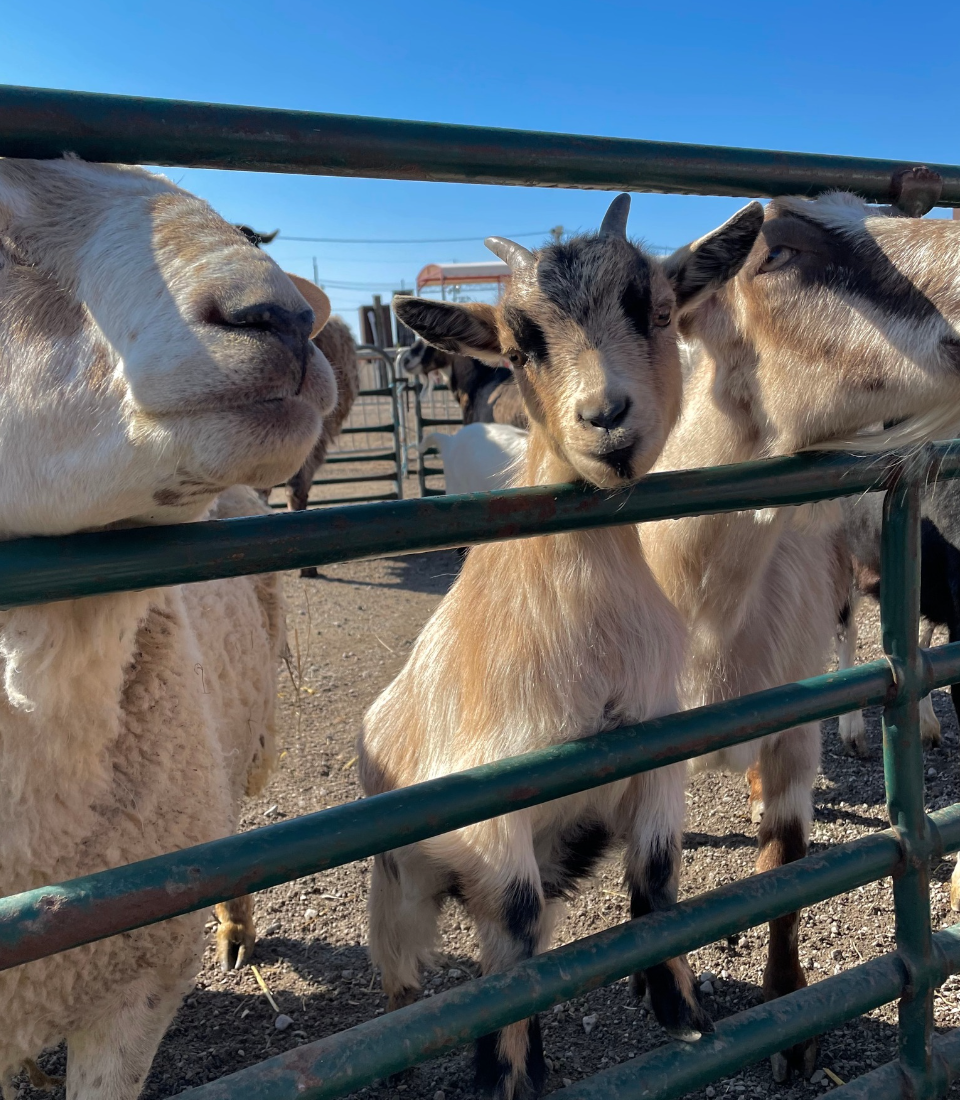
260	444
601	475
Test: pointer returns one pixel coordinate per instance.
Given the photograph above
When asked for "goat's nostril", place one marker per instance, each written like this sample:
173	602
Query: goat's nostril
606	415
289	326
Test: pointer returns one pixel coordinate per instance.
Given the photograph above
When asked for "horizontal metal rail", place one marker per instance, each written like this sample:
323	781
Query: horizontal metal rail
437	422
353	480
125	129
341	1063
364	429
382	456
887	1083
55	918
280	506
677	1068
41	570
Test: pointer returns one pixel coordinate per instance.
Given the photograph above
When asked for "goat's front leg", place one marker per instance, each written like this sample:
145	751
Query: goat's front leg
652	876
929	723
236	933
853	733
513	921
788	768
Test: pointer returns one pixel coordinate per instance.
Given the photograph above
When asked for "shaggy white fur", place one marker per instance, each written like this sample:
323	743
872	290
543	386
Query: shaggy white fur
149	359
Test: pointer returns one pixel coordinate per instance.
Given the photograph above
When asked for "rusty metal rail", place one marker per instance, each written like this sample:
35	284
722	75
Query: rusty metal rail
57	917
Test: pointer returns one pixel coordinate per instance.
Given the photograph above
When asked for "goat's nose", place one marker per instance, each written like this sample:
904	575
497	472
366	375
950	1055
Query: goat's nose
293	328
605	414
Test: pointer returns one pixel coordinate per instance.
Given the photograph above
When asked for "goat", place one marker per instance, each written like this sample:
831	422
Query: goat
478	457
551	638
840	318
939	599
486	392
150	359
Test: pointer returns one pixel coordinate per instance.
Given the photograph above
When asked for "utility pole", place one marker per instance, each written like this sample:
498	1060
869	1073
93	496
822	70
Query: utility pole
557	234
316	274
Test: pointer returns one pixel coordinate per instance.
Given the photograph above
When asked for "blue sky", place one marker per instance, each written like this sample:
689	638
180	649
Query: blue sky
870	79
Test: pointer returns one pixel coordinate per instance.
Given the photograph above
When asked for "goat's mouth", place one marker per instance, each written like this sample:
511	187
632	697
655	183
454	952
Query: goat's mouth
620	461
609	469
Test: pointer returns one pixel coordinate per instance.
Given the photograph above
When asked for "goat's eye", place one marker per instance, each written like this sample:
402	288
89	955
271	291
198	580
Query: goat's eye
662	317
776	258
516	358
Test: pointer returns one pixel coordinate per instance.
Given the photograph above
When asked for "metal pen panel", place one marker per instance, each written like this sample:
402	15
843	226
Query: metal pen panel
38	122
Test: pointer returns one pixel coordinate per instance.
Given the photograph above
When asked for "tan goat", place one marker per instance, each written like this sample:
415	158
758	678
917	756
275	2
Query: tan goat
548	639
841	318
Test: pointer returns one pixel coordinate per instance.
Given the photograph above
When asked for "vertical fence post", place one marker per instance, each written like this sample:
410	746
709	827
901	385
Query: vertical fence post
418	414
399	425
903	768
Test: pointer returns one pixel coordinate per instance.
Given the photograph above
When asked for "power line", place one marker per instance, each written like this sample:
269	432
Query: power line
415	240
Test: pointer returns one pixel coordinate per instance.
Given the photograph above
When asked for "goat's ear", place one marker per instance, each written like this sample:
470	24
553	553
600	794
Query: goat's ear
704	265
317	300
468	328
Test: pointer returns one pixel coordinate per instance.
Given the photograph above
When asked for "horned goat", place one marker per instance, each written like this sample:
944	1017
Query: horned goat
841	317
551	638
150	359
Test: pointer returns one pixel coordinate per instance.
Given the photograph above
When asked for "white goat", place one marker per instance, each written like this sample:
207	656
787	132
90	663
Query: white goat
548	639
479	457
150	358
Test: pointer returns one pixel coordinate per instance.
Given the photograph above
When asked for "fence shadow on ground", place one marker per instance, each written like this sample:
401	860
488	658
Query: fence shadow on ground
431	573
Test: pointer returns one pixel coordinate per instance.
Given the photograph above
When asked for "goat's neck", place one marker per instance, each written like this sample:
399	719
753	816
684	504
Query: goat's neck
708	564
610	546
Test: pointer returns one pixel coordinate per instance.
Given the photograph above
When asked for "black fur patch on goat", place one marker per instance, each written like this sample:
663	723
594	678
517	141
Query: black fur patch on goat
528	334
656	890
849	265
521	914
635	303
578	851
576	276
491	1069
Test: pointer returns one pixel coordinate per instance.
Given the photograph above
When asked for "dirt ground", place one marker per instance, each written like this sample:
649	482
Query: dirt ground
353	629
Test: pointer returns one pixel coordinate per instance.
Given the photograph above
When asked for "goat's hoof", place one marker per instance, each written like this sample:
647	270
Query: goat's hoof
931	738
402	998
800	1059
309	573
680	1011
684	1034
235	943
853	734
857	748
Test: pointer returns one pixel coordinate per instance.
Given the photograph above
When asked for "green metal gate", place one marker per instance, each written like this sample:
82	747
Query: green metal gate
394	428
57	917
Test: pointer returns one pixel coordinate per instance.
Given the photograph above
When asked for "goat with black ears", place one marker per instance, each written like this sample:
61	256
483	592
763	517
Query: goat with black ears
553	638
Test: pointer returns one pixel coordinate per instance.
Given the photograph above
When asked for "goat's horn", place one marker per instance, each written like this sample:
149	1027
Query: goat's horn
614	222
514	255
